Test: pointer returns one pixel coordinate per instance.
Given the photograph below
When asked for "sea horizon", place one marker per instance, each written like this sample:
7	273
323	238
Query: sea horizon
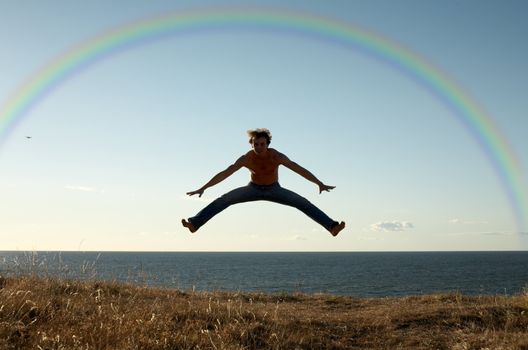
364	274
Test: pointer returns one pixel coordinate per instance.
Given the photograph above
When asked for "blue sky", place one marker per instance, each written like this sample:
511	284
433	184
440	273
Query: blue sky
115	147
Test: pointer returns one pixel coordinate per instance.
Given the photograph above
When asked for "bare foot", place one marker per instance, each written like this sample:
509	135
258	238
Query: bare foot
189	225
337	228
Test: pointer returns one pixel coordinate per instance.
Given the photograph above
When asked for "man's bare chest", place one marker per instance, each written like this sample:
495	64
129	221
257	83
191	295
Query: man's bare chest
263	165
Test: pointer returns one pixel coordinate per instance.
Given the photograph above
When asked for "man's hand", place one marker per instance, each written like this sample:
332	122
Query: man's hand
323	187
198	192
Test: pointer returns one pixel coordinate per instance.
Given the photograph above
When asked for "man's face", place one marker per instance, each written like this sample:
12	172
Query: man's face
260	145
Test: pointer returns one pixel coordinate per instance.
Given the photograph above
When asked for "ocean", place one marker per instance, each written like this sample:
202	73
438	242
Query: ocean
369	274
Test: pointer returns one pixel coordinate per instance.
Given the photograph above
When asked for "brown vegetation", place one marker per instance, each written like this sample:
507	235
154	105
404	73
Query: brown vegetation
45	313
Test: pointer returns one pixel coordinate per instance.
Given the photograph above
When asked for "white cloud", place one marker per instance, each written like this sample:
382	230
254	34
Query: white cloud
299	238
498	233
489	233
505	233
197	199
296	238
466	222
391	226
83	189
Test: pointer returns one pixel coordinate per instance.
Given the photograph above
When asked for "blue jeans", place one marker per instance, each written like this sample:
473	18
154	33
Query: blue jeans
253	192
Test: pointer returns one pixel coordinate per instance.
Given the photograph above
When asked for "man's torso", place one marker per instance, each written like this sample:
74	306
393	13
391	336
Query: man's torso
264	168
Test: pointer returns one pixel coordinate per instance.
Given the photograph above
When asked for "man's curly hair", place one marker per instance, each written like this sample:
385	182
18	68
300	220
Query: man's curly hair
260	132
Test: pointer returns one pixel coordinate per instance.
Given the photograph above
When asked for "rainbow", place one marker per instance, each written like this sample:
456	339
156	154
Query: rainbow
468	113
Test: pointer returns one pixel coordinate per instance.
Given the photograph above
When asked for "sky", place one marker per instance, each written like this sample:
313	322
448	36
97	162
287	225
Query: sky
115	147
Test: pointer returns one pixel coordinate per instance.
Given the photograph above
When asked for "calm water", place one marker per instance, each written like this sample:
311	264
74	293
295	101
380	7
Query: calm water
357	274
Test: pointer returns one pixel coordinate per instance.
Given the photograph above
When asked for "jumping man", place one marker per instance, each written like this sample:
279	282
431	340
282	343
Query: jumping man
263	163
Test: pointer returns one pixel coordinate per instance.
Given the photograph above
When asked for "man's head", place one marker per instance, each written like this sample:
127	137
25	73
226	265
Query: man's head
259	139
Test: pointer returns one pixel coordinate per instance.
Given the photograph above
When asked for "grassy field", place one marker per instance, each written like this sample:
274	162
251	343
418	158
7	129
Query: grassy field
45	313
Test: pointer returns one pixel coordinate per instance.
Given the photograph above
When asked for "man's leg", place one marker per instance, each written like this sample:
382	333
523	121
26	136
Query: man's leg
290	198
238	195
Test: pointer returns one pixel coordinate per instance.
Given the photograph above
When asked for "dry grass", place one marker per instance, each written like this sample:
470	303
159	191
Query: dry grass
45	313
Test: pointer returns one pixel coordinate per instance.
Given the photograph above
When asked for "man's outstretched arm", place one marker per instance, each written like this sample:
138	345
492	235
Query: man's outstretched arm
304	173
221	176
